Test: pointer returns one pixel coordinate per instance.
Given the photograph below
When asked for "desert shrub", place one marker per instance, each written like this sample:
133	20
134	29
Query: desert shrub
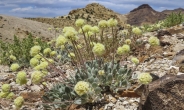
19	49
174	19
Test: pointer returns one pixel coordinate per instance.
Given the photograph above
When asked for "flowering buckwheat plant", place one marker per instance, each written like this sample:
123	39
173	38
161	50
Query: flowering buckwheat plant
94	55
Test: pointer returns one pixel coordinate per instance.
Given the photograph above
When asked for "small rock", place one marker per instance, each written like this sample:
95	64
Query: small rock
112	99
35	88
165	93
162	33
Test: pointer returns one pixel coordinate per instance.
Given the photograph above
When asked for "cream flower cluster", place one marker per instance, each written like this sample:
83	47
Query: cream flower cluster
154	41
123	50
124	32
70	33
71	55
21	78
89	33
86	28
65	29
103	24
35	50
101	72
53	53
144	78
61	40
38	56
36	77
47	51
128	41
79	22
6	87
18	102
135	60
14	66
81	88
42	66
98	49
95	29
5	93
137	31
12	57
34	62
112	22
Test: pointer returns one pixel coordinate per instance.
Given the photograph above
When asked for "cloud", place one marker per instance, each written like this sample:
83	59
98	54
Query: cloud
22	9
54	8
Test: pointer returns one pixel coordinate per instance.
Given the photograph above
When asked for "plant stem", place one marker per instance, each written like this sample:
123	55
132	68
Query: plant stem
101	36
76	52
85	40
113	46
80	55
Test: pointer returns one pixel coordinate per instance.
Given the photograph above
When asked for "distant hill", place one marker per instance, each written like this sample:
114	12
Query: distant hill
10	26
144	14
93	13
175	11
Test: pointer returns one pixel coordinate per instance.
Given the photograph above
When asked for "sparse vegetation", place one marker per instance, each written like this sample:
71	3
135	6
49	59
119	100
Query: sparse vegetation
174	19
95	60
94	54
19	49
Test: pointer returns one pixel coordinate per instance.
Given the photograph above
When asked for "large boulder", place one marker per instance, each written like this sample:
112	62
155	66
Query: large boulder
166	93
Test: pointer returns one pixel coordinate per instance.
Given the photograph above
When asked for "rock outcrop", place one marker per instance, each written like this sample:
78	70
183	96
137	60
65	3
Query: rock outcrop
92	13
174	11
144	14
166	93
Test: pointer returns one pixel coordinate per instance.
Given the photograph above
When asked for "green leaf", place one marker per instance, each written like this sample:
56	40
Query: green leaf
119	77
114	71
105	67
96	80
122	83
96	72
79	101
110	65
122	71
91	79
66	97
60	90
98	90
84	96
89	69
109	77
129	73
94	84
93	71
67	89
115	66
96	65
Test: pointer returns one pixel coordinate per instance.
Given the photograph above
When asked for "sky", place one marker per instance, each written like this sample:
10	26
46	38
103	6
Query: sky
54	8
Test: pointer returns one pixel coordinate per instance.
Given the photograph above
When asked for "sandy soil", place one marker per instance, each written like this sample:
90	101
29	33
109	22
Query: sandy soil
10	26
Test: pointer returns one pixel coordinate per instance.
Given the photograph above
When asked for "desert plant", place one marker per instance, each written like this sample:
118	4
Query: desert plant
174	19
96	74
101	77
19	49
95	57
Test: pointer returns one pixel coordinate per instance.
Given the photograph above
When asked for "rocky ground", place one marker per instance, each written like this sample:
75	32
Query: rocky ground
168	60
